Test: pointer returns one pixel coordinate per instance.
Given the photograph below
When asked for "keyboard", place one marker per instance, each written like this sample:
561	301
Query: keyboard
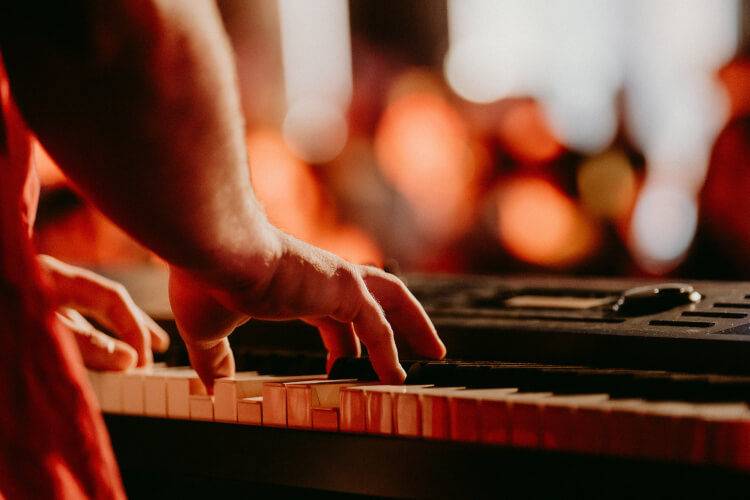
551	384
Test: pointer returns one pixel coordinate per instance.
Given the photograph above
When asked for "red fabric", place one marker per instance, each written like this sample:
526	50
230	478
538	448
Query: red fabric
53	442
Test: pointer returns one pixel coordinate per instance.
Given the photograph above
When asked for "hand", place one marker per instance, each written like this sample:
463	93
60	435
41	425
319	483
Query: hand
346	302
78	293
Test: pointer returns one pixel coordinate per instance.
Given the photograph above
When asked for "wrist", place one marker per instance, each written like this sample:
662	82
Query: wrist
239	257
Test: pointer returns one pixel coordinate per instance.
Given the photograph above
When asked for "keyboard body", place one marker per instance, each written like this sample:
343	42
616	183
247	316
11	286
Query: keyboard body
483	320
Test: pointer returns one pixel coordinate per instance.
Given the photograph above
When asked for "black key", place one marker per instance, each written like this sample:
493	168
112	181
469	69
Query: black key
438	373
356	368
471	376
729	388
526	378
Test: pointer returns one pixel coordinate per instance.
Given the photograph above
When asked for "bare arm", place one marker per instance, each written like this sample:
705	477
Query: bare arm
139	106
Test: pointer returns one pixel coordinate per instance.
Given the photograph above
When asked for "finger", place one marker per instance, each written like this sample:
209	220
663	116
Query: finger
345	297
338	338
104	300
98	350
375	332
121	316
211	361
406	316
159	337
372	328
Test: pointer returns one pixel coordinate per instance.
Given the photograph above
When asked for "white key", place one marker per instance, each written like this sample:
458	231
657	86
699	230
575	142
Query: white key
201	407
133	400
274	398
133	397
250	411
95	382
155	395
110	387
155	389
228	391
180	386
303	397
380	410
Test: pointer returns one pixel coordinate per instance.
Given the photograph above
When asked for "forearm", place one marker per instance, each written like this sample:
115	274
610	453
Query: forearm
141	111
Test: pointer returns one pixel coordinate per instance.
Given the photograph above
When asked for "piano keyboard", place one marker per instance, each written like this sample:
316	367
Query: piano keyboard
701	419
553	387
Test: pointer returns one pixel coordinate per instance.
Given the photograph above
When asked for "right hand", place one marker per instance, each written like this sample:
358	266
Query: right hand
346	302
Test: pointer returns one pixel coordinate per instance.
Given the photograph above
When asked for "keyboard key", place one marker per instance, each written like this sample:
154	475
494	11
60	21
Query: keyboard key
201	407
180	386
380	409
228	391
436	412
465	417
325	419
250	411
556	418
274	398
303	397
95	382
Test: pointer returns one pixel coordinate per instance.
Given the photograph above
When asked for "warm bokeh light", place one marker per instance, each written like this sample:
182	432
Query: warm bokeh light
607	185
284	184
86	237
735	77
350	243
316	51
415	81
402	133
315	130
539	224
584	118
525	135
663	226
724	201
493	44
675	107
423	149
294	200
581	70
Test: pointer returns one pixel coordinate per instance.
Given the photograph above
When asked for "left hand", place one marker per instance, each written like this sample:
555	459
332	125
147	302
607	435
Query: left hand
78	293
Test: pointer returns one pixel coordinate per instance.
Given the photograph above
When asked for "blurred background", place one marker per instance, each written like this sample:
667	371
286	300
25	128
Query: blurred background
577	137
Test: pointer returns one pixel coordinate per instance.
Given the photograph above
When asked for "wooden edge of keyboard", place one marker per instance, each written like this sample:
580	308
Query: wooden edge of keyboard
237	460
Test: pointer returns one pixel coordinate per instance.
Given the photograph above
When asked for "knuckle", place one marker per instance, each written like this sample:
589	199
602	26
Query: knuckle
377	343
346	274
348	310
118	291
44	260
119	300
352	292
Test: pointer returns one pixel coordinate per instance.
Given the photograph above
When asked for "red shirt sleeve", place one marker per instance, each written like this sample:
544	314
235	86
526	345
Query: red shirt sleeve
53	442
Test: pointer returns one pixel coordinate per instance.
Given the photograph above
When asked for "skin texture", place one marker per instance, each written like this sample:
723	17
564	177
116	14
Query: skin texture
78	292
137	102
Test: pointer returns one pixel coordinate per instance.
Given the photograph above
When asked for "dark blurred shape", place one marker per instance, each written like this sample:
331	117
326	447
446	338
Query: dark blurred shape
413	29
